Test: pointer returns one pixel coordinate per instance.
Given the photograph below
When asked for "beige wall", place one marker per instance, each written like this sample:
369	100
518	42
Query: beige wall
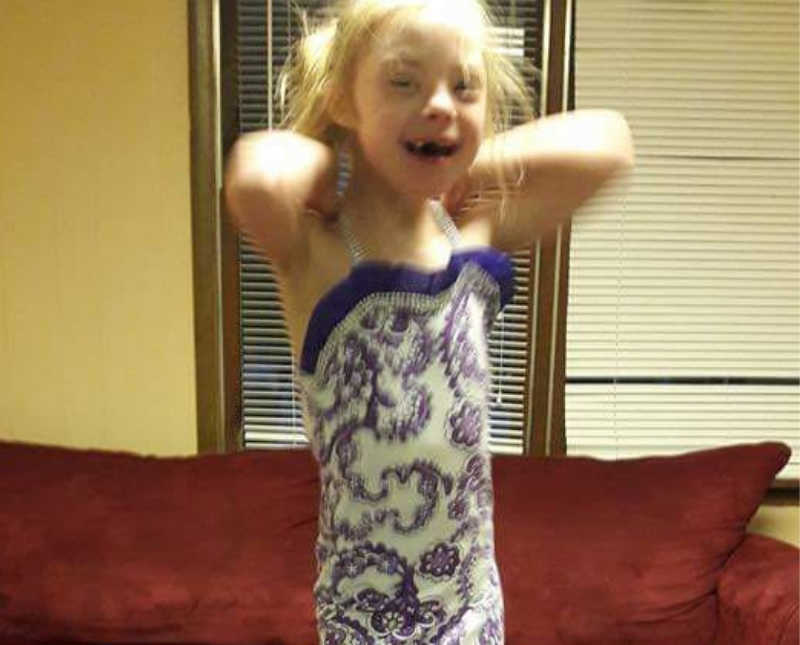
96	320
782	522
96	336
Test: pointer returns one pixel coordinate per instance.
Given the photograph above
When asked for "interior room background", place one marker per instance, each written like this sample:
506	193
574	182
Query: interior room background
663	320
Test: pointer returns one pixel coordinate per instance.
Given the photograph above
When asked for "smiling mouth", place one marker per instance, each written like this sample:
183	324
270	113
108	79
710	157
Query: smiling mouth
430	149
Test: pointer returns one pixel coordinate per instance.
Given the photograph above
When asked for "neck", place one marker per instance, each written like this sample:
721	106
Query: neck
371	202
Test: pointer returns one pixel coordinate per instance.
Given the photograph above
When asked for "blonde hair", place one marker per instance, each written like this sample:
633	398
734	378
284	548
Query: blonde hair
321	65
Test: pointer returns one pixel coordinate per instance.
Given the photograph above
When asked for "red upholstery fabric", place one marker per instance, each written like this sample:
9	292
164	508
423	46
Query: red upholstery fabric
119	548
630	551
758	594
102	547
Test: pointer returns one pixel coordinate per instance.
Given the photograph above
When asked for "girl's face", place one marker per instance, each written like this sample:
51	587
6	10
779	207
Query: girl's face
420	104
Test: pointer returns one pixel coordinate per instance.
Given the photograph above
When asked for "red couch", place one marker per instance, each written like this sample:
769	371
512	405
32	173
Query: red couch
108	547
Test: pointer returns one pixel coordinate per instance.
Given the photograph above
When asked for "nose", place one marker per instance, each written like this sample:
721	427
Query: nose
440	105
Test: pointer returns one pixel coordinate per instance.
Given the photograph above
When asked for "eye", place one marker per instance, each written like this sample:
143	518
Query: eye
468	89
402	82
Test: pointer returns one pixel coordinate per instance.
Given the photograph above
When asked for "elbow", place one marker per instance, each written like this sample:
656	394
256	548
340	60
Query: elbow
626	156
607	137
250	174
620	141
255	158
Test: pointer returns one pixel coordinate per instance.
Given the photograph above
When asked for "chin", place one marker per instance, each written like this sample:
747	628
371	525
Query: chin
425	186
418	192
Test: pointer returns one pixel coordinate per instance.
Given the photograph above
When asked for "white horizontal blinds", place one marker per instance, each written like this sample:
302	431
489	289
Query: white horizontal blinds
518	35
271	408
508	352
683	325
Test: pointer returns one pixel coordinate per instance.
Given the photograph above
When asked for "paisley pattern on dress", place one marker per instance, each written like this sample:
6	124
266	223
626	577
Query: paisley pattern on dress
396	411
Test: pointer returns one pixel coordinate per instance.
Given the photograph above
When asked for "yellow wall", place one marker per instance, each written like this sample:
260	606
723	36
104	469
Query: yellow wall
781	522
96	320
96	330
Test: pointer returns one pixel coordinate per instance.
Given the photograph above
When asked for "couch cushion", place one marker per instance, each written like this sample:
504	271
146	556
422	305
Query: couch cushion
120	548
758	593
104	547
629	551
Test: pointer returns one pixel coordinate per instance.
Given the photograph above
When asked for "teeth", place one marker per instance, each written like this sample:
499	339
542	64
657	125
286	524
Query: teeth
430	148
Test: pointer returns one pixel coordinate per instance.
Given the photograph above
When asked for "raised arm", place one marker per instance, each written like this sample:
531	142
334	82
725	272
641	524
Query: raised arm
271	178
552	165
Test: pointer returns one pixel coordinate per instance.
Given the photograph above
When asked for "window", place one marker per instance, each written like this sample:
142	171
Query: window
684	294
271	410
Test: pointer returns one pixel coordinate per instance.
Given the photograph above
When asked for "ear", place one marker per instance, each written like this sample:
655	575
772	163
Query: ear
340	108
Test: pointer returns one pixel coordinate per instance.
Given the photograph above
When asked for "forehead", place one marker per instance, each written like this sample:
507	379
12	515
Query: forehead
428	36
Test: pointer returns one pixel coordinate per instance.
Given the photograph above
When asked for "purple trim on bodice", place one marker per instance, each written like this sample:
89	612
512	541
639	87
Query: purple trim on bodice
373	276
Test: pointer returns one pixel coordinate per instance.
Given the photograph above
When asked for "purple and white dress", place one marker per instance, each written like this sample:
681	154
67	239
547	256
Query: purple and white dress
395	379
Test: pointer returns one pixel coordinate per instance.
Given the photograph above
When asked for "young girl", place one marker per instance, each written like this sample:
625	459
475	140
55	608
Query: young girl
388	302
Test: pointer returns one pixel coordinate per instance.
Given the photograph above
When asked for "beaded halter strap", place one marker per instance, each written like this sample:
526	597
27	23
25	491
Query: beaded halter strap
440	215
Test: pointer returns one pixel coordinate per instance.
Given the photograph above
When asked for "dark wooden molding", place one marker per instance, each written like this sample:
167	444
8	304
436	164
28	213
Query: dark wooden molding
558	428
548	273
783	492
211	406
539	393
231	316
537	50
786	487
